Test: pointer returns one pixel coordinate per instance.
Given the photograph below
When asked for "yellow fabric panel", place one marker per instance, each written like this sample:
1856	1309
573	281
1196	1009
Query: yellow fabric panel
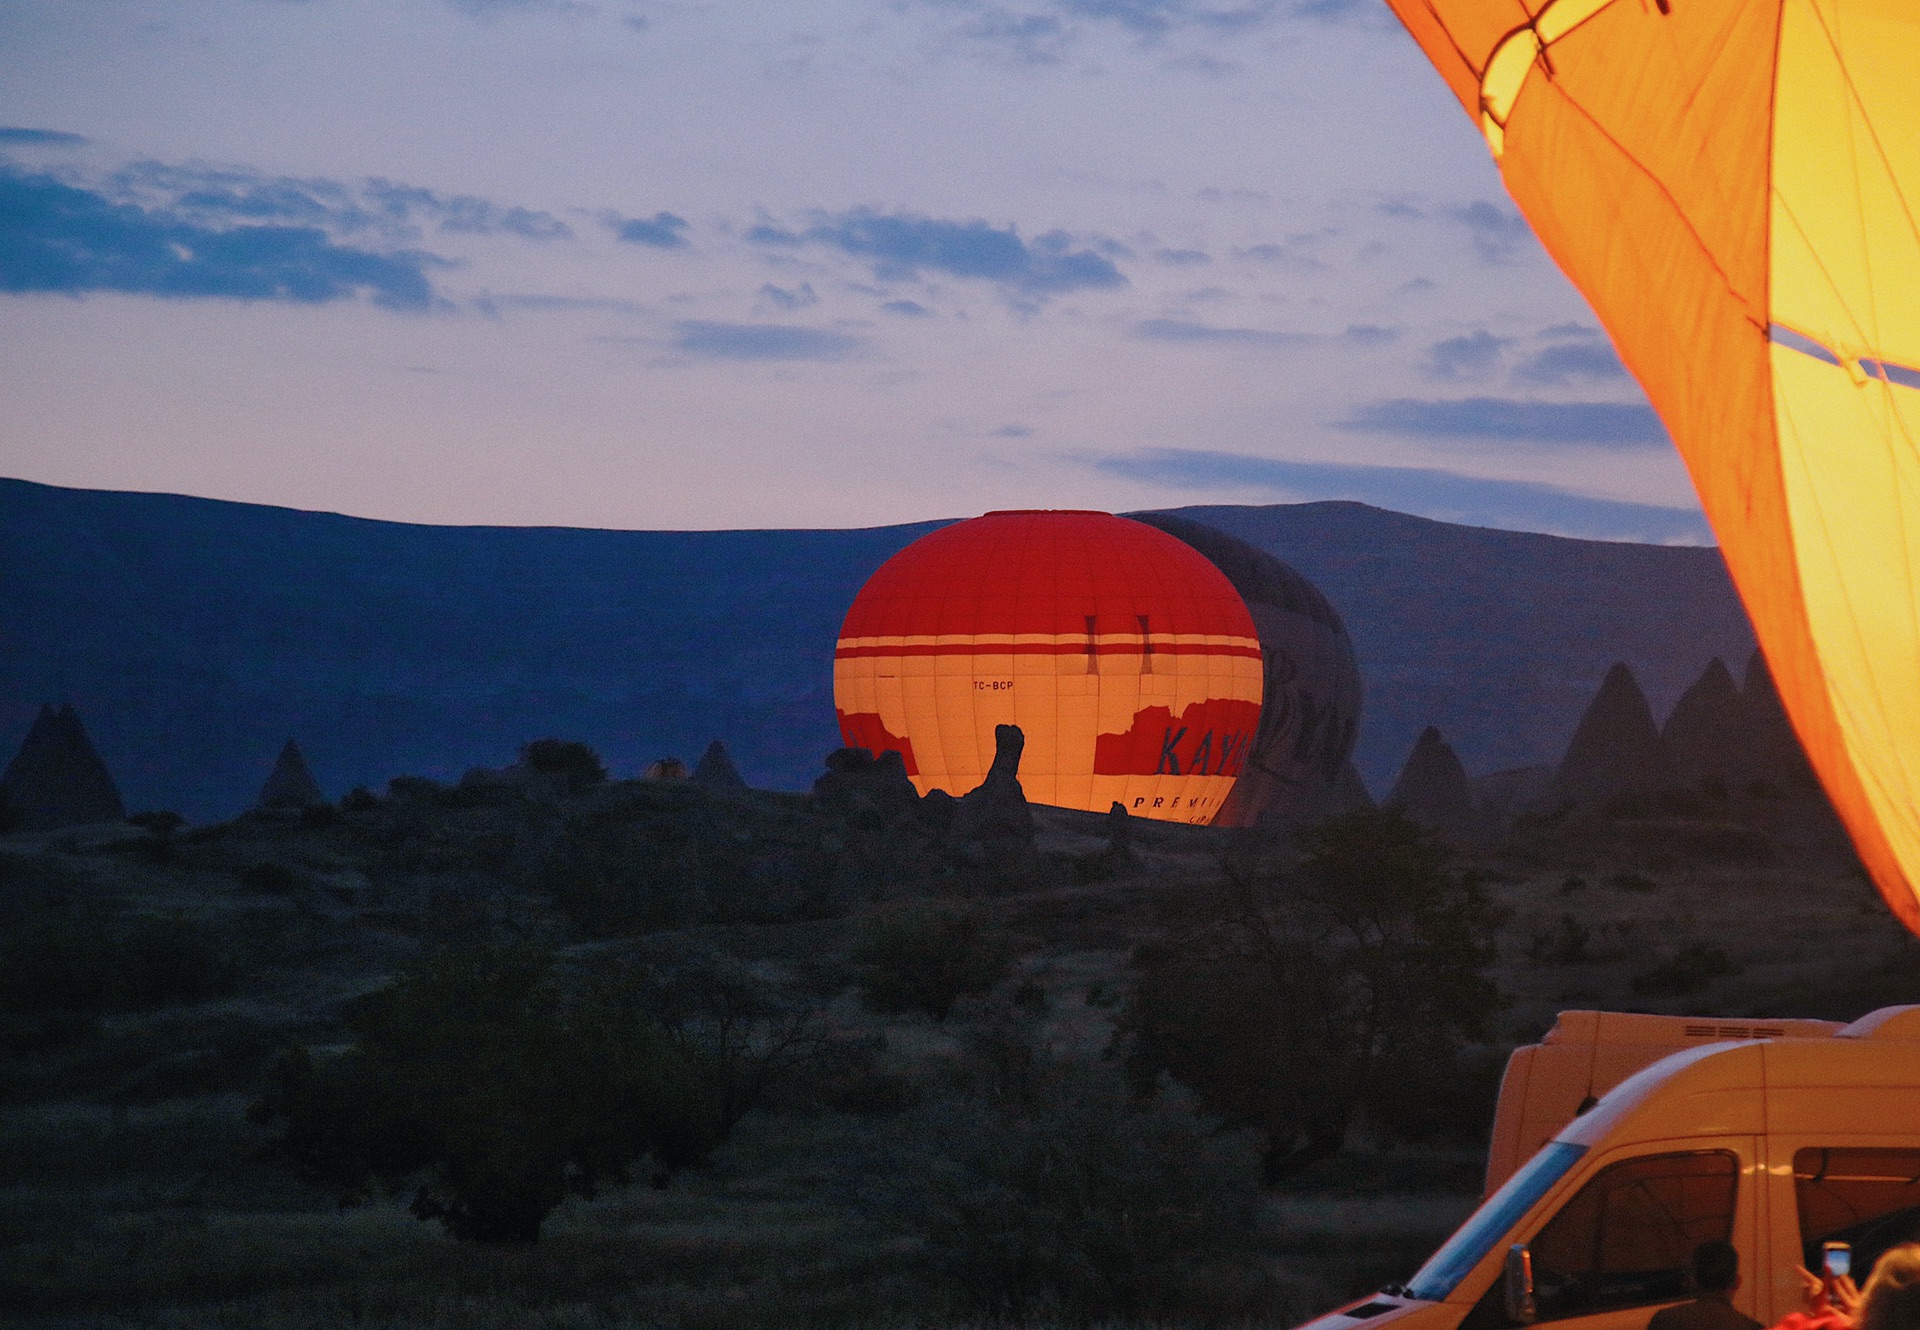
947	706
1846	176
1853	488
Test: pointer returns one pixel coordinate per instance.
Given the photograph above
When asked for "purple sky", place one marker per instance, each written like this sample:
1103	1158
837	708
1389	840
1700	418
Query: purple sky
833	263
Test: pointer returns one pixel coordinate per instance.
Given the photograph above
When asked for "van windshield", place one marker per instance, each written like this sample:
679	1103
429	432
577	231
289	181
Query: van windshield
1492	1221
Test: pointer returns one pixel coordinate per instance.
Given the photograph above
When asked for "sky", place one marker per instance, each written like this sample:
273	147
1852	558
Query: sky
776	263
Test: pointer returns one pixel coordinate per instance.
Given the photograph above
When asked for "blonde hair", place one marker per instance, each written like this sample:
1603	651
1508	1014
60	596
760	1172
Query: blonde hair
1891	1299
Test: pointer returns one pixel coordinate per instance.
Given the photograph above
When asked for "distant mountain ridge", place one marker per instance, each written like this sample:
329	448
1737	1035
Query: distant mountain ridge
196	635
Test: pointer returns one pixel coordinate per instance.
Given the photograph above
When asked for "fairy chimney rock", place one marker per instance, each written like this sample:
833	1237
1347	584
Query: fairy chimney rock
292	784
1708	735
716	771
1777	754
1433	788
1616	748
57	779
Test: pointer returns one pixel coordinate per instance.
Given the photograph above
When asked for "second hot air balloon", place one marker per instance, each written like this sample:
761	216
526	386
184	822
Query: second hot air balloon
1127	659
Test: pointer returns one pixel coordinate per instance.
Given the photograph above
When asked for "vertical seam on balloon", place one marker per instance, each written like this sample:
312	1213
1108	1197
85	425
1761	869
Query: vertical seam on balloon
1849	356
1859	105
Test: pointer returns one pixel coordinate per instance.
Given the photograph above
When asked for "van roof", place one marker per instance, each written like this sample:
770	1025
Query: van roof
1725	1087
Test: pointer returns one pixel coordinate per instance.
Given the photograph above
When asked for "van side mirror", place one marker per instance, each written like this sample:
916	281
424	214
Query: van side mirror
1519	1285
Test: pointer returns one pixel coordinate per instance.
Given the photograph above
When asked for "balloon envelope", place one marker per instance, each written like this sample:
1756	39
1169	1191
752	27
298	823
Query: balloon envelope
1127	660
1311	687
1734	185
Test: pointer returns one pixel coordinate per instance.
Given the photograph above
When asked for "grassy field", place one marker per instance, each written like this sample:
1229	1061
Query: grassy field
134	1192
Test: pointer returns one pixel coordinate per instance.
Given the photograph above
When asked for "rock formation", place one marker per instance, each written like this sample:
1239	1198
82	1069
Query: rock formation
993	826
1709	736
57	779
1501	796
1778	757
292	784
666	768
1433	788
716	771
857	782
1616	748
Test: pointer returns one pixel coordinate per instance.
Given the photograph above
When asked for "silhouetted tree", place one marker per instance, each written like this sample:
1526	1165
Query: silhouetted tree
1291	994
499	1092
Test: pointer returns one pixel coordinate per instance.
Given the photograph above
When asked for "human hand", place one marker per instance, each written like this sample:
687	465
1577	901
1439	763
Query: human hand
1845	1295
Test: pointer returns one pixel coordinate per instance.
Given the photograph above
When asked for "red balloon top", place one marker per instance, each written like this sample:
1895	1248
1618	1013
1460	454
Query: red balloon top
1047	572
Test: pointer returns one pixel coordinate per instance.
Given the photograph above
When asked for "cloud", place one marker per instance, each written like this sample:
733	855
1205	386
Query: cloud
763	341
911	309
1040	31
905	246
41	137
1444	495
1468	357
782	297
1499	235
1616	425
1181	330
662	230
388	208
1369	334
461	213
564	304
1014	432
1182	258
56	237
1559	365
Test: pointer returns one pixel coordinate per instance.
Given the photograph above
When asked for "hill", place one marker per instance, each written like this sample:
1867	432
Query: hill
196	636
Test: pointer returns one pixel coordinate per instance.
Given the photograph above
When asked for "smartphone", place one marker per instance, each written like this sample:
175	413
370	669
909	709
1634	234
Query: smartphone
1836	1260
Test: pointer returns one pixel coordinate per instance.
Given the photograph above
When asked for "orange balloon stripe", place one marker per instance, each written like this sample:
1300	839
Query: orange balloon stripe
1250	650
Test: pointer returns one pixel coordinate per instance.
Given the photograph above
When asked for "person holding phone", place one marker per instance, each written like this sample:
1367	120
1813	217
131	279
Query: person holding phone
1716	1274
1890	1300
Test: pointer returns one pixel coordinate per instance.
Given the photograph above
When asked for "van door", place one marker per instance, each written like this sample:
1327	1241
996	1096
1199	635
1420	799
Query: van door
1838	1188
1621	1247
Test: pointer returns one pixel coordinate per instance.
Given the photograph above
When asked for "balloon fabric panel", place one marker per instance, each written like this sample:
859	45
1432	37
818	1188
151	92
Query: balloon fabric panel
1734	185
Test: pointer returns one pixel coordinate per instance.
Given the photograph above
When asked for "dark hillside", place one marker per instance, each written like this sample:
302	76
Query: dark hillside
196	637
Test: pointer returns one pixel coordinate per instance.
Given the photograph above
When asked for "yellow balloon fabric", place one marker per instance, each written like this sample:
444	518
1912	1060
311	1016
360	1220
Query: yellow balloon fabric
1734	185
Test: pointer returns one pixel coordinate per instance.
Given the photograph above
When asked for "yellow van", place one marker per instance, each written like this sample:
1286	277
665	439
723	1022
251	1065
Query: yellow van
1776	1136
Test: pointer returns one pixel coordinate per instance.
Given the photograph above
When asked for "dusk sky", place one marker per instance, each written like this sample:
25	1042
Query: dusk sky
834	263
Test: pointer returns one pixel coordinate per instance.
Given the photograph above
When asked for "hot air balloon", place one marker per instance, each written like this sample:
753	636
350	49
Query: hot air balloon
1734	185
1128	661
1310	714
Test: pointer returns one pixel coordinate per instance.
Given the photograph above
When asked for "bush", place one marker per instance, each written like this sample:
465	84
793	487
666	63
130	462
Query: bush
1080	1202
493	1089
70	960
1691	969
567	758
926	960
1299	990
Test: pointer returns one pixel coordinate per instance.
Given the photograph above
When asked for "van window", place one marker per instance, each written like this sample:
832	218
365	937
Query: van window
1498	1213
1868	1197
1626	1239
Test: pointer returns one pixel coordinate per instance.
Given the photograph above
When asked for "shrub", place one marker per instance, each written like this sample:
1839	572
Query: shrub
71	960
568	758
1080	1202
1689	970
497	1092
1298	989
926	960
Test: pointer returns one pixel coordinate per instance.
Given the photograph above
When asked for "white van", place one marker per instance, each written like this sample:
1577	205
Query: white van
1807	1134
